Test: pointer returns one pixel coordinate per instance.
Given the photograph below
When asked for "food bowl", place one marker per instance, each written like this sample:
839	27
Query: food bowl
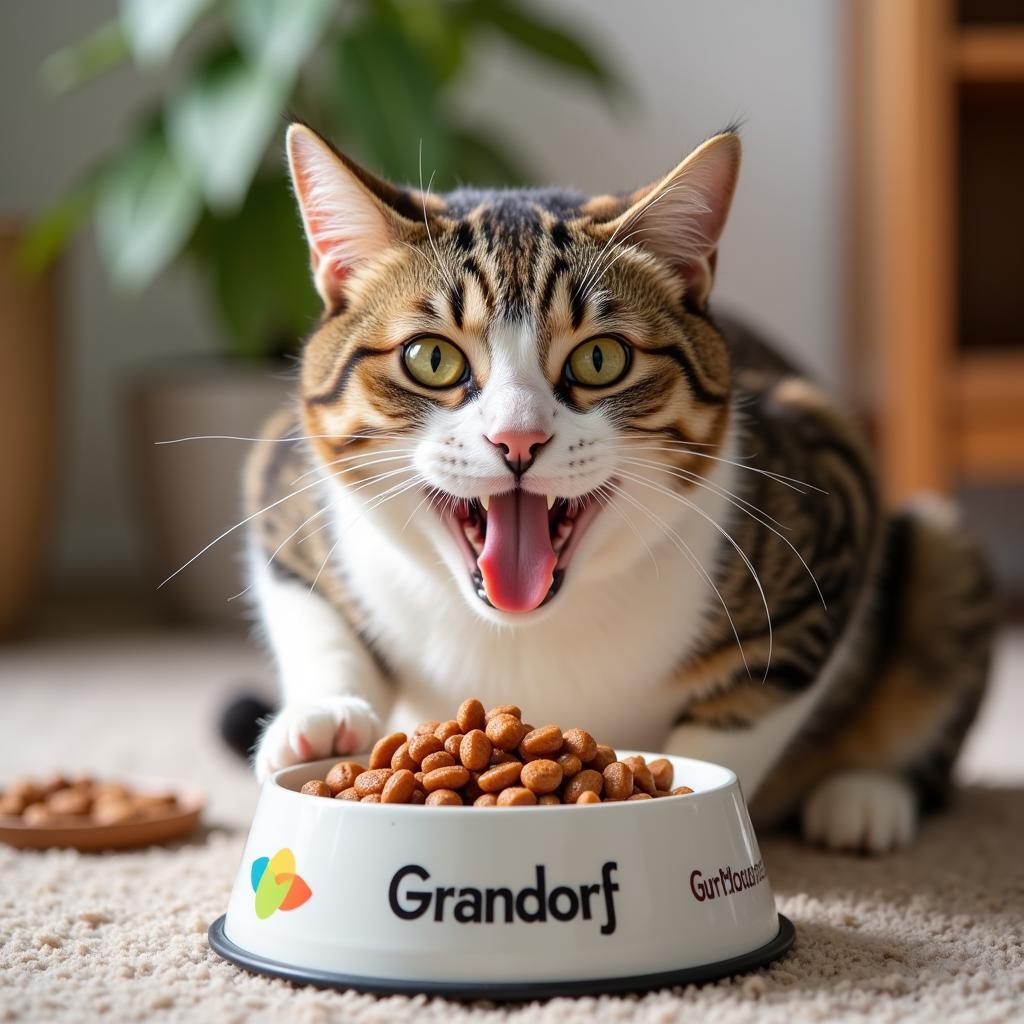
502	902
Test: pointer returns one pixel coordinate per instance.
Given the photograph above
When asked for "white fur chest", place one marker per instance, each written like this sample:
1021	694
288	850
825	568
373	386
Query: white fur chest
601	656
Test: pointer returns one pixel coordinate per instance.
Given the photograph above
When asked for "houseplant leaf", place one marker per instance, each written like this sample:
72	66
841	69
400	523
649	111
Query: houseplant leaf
258	269
146	208
220	123
155	27
279	35
544	39
479	161
74	65
386	97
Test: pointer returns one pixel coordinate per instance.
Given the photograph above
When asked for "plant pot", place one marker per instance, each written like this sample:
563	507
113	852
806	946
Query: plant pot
192	490
28	425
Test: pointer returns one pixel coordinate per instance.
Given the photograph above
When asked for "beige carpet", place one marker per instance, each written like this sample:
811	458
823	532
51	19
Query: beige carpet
934	934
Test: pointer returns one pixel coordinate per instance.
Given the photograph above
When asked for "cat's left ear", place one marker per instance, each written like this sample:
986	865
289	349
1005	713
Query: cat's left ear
681	217
349	214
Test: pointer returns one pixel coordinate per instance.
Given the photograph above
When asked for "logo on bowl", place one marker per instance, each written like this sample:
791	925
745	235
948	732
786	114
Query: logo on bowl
503	905
725	881
276	884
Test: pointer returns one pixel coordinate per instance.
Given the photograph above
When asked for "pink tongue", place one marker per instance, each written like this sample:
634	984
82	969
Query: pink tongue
517	561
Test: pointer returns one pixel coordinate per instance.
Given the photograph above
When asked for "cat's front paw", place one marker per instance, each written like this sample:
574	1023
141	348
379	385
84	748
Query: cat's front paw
306	732
869	812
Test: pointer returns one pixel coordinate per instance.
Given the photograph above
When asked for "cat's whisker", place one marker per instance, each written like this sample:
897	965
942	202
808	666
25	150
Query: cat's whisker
742	504
390	494
231	529
370	459
695	562
294	439
697	479
608	501
643	481
442	269
683	448
627	223
414	511
270	561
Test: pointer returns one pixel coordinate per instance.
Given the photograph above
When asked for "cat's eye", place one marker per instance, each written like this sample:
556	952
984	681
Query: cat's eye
434	362
598	362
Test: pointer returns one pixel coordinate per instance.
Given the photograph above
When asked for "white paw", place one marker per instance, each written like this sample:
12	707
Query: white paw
306	732
873	812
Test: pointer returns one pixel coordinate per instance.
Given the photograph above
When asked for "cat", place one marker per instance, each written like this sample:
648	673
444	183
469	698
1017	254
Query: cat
526	464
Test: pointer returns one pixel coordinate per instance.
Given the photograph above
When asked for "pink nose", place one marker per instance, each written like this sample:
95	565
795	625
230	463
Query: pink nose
519	446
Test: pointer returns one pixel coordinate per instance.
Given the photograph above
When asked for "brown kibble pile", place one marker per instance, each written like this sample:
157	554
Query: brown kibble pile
60	802
493	759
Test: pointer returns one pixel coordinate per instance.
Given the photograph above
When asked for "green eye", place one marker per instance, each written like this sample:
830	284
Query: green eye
434	362
598	362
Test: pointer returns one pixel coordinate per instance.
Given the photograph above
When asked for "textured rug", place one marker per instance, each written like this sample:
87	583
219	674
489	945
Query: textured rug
932	934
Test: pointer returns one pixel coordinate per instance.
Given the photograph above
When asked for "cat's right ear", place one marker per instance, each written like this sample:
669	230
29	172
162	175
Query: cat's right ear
348	213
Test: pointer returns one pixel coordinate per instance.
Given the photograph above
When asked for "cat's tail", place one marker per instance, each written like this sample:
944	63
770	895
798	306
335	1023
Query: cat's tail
242	721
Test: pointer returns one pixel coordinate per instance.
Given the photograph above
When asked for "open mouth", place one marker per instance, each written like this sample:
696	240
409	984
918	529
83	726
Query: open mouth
518	545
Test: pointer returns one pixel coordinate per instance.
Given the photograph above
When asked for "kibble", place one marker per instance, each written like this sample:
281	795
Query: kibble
85	802
505	731
480	758
543	776
372	781
444	798
399	788
618	781
439	759
471	715
423	746
343	775
475	750
546	740
384	749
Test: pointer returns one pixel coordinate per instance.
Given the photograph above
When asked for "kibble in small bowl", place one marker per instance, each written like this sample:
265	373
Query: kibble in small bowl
557	865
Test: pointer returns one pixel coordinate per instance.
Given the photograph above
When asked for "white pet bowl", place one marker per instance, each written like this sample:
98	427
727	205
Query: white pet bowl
502	903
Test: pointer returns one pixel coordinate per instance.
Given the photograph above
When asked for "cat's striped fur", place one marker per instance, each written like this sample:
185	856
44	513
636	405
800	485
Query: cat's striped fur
842	643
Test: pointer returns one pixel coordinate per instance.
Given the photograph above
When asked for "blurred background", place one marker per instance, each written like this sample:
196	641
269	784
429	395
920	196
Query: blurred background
153	280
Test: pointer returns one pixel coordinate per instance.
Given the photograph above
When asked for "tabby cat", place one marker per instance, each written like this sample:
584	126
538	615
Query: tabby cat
527	464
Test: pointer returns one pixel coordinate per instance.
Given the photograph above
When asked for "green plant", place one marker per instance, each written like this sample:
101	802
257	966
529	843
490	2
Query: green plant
202	177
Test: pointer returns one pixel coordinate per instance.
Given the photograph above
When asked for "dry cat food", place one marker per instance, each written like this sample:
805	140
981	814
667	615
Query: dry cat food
82	802
494	759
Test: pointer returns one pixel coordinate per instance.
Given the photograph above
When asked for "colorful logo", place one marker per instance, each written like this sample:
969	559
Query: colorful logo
276	884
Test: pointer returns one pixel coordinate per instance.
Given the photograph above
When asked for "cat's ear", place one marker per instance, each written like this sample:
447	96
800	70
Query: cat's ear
681	217
349	214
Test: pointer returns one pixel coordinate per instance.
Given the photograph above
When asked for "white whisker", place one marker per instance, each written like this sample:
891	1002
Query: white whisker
742	504
636	478
687	551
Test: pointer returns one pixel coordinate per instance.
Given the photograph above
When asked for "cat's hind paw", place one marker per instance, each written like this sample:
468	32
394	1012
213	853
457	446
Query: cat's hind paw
863	811
306	732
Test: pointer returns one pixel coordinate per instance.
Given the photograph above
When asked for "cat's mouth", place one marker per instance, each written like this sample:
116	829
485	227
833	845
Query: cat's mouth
518	545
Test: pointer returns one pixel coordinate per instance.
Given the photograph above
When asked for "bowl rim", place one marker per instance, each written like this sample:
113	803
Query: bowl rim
274	781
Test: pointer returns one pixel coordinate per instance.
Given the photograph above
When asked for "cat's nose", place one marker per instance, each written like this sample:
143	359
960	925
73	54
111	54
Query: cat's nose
519	447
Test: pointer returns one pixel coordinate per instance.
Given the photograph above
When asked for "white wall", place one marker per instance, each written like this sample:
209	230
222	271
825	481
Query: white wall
694	66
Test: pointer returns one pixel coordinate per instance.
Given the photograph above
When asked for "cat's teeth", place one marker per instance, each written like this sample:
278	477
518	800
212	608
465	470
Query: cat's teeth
551	499
485	501
561	535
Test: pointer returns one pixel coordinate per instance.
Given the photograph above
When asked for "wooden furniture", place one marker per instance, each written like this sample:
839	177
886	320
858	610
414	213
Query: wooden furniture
937	161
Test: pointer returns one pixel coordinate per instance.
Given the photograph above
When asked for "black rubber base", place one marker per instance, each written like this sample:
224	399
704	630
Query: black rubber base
506	990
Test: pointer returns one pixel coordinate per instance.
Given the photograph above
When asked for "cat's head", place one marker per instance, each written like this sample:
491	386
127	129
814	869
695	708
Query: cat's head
521	382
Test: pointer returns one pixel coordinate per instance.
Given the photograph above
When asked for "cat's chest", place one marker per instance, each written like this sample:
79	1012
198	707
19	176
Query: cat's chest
604	658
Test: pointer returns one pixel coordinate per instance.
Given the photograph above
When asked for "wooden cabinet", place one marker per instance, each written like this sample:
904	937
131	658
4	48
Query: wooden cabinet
937	283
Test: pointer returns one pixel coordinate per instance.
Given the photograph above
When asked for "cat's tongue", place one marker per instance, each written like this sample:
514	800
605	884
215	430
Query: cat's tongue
518	560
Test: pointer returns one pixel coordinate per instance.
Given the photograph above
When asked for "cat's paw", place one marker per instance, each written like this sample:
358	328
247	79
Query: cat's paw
870	812
306	732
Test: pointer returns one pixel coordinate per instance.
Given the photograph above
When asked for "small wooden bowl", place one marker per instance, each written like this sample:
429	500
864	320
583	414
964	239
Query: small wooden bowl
158	828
